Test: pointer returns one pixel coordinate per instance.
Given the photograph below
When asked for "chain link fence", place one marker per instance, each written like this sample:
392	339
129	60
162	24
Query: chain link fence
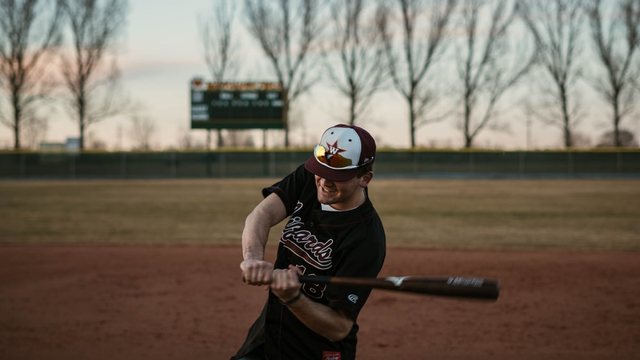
248	164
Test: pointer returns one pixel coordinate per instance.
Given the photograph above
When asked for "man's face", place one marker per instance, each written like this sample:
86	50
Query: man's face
342	195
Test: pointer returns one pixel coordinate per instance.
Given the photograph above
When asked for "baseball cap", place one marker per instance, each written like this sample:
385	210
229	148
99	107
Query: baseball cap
342	151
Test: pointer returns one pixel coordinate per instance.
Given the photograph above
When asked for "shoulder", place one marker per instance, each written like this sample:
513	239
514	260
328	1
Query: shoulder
298	185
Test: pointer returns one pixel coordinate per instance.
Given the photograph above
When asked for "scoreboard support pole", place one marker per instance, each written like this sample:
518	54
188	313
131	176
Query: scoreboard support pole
264	139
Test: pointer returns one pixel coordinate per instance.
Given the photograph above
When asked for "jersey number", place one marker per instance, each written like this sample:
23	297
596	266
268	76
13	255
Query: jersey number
314	290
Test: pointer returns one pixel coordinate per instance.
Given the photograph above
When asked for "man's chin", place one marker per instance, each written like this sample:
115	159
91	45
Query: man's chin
325	201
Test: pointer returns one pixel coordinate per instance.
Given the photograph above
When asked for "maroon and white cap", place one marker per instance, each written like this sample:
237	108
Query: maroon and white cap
342	151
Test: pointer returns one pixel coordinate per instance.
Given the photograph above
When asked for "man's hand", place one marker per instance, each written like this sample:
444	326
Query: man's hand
285	284
256	272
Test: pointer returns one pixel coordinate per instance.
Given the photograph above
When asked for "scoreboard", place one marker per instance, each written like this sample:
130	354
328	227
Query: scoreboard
237	105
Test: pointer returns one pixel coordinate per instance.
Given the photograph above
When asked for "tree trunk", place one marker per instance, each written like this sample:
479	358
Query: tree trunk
81	140
286	120
81	120
352	110
412	123
616	125
566	119
567	136
16	134
468	139
286	134
17	114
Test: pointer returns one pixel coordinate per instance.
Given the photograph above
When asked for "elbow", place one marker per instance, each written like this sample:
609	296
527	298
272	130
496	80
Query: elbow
338	336
340	332
268	213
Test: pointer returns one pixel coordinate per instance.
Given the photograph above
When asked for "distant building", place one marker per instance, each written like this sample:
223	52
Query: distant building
71	145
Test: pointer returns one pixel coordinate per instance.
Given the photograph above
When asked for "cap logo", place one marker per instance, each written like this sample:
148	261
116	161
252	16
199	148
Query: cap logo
333	149
331	155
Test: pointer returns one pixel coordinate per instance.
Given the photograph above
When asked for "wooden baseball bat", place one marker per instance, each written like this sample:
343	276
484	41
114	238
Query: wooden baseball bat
461	287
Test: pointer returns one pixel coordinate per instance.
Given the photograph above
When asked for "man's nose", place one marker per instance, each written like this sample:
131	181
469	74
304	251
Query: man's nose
325	182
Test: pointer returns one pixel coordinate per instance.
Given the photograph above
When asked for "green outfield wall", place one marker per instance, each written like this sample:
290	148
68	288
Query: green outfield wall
276	163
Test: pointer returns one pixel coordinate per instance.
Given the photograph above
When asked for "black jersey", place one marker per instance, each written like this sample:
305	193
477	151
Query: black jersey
319	242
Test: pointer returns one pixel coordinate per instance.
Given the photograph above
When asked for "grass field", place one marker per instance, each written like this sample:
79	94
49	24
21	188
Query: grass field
511	214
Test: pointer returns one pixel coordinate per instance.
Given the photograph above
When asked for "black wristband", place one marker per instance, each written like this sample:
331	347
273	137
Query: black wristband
287	303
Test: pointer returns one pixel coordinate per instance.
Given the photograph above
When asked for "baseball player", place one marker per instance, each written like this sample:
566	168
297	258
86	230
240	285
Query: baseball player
333	229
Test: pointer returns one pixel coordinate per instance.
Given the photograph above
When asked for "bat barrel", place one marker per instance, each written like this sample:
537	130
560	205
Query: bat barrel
476	288
462	287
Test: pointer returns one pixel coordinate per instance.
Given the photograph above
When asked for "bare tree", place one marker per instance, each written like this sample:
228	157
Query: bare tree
287	30
356	44
556	27
625	137
29	31
617	46
186	140
35	131
220	46
486	65
420	49
581	140
94	142
239	138
142	130
93	83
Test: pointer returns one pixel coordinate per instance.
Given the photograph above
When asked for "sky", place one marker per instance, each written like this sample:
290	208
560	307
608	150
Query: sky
161	51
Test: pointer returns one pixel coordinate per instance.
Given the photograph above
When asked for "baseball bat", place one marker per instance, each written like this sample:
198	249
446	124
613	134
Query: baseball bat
460	287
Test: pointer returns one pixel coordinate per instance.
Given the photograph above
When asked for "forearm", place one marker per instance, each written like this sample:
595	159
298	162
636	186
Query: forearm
256	271
333	324
254	237
330	323
257	225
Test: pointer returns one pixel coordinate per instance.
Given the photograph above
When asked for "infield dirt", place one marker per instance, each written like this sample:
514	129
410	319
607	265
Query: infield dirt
188	302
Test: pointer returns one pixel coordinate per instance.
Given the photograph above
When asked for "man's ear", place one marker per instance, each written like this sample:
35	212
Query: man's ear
366	179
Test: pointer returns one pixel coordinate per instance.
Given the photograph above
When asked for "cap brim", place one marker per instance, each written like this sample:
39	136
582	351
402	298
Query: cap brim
330	174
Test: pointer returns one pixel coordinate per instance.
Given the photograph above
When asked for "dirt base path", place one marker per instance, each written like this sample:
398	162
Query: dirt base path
115	302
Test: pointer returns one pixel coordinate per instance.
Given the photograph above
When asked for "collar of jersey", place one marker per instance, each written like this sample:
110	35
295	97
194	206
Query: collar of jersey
326	207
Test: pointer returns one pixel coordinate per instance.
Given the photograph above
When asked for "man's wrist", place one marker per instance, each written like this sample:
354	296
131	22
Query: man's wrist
292	301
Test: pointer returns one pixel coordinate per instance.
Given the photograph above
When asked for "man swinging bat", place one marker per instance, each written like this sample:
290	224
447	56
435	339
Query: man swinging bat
333	230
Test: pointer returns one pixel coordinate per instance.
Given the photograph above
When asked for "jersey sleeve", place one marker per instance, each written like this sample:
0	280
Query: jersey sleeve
290	188
363	257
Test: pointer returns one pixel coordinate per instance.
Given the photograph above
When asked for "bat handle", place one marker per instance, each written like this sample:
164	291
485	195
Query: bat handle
322	279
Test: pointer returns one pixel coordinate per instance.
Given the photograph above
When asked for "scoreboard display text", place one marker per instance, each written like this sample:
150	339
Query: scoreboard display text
237	105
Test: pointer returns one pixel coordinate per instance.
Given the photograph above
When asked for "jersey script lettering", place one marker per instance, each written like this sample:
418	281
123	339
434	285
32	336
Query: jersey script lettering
305	244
